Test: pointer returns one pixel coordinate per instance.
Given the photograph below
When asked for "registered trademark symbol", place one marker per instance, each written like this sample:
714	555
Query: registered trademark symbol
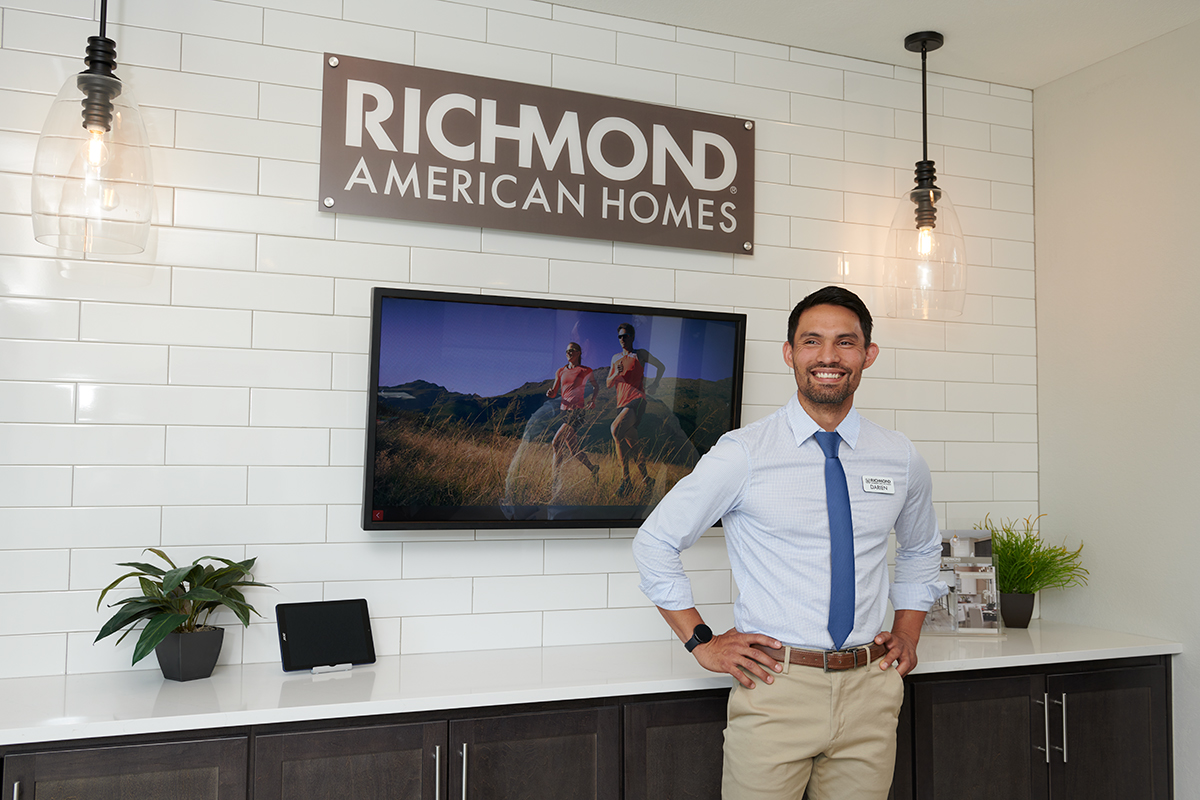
733	190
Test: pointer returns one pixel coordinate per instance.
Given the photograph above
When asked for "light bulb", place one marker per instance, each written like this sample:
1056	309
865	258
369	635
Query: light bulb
97	150
924	241
109	198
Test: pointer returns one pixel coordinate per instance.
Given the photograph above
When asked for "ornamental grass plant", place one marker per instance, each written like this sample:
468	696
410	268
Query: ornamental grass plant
1025	564
178	598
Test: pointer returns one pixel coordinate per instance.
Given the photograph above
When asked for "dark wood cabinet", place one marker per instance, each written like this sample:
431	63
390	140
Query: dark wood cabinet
380	762
1099	730
674	748
968	732
564	755
1102	731
1110	734
209	769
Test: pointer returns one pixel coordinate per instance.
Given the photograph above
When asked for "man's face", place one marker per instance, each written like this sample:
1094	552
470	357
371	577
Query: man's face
573	354
625	338
828	355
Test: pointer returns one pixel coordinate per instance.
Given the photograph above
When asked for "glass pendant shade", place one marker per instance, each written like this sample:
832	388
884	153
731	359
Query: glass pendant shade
93	190
925	259
925	268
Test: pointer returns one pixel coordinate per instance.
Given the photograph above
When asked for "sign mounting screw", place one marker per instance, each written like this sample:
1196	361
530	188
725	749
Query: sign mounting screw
328	202
333	61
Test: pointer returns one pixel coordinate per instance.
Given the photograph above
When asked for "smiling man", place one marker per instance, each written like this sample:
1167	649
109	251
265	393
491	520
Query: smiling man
807	498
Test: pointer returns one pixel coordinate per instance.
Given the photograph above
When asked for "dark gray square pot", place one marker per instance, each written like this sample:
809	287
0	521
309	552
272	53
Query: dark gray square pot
188	656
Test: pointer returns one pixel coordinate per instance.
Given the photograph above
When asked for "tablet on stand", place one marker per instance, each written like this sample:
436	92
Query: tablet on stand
328	636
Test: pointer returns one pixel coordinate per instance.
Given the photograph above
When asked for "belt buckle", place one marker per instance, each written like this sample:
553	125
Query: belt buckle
866	651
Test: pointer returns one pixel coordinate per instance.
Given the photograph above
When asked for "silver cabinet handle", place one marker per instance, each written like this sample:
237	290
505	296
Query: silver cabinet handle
464	773
1063	703
1045	704
437	772
16	790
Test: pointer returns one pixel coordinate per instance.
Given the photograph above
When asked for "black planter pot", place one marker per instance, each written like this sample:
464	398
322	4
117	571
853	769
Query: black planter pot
1016	609
188	656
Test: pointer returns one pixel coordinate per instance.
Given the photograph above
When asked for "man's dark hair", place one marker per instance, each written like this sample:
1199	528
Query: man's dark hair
832	296
627	327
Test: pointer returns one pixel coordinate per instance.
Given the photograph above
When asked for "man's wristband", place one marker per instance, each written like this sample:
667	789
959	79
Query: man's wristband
701	634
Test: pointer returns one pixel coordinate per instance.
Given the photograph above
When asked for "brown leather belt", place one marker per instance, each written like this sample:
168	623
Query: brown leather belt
829	660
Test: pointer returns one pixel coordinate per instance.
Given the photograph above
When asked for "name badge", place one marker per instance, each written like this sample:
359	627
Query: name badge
878	485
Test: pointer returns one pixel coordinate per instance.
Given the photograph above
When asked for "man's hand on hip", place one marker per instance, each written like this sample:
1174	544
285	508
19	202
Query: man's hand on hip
901	652
901	641
732	652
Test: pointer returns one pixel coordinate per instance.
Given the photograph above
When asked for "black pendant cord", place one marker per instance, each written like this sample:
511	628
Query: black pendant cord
924	107
103	17
926	193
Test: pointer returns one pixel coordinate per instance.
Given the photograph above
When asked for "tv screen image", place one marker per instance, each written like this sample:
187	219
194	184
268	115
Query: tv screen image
490	412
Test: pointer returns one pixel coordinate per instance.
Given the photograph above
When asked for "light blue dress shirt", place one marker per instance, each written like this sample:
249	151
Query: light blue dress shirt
766	482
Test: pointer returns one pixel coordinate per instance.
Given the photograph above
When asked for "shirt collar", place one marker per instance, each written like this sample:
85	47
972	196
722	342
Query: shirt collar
803	426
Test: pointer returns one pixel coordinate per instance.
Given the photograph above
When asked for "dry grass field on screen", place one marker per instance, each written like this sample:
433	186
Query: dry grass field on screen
454	464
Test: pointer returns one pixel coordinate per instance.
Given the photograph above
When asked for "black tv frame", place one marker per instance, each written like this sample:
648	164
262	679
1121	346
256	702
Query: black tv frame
479	331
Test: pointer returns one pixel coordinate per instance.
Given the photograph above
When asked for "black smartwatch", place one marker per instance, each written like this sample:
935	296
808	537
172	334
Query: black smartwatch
701	634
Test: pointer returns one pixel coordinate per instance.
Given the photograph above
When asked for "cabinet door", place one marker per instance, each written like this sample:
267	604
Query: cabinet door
982	738
383	762
1110	734
674	749
210	769
557	755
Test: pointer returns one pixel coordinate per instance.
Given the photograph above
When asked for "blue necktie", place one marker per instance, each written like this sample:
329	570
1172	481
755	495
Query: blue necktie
841	541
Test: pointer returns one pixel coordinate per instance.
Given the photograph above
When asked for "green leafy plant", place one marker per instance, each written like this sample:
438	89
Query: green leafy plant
178	598
1025	564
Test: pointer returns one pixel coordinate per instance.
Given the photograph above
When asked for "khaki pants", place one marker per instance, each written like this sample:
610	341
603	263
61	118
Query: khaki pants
832	732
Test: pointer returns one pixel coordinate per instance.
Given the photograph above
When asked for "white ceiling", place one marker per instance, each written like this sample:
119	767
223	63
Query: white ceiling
1024	43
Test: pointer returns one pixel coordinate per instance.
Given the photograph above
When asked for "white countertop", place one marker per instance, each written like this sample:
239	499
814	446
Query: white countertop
140	701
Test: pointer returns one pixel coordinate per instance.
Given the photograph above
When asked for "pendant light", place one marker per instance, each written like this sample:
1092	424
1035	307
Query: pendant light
93	187
925	269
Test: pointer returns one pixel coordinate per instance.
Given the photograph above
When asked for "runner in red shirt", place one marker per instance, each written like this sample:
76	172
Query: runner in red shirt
628	374
572	380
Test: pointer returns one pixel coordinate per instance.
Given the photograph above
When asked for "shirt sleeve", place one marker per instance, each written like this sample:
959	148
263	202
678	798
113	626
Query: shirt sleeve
918	543
691	507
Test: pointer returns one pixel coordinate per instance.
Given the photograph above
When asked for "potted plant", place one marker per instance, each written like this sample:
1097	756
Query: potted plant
176	603
1025	565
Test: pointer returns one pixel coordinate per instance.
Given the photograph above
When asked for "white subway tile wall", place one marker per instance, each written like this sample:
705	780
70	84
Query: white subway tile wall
211	400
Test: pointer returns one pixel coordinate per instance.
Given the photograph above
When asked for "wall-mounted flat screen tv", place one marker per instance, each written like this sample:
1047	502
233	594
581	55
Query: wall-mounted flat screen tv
490	412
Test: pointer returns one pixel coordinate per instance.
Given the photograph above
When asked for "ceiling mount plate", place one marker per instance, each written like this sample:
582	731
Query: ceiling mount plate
925	40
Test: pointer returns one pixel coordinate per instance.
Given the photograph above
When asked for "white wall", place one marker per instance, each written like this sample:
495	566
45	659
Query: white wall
1118	298
219	407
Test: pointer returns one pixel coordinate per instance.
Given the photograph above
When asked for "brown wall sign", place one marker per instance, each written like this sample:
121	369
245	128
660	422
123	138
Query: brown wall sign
421	144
